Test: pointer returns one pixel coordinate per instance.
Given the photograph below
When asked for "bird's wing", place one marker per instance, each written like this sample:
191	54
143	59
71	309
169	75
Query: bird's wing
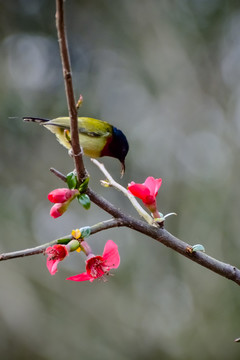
86	126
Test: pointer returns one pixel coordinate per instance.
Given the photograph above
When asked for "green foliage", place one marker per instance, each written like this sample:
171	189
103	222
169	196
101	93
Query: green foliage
72	180
84	200
84	185
85	232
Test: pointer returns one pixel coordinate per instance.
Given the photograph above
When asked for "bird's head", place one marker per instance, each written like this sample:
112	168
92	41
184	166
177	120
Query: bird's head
118	147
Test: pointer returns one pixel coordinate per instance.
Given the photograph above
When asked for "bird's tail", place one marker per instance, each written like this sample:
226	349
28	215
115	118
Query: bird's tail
35	119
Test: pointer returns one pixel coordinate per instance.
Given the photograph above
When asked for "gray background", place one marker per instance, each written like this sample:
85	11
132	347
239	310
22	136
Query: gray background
167	73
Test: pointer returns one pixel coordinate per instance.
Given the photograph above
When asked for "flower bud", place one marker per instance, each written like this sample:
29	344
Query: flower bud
58	209
62	195
73	245
85	248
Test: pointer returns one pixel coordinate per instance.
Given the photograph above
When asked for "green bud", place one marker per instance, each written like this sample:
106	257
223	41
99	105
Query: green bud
198	247
73	245
85	231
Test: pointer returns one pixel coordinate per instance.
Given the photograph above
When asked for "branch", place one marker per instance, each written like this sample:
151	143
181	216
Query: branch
107	224
163	236
58	174
32	251
67	75
103	225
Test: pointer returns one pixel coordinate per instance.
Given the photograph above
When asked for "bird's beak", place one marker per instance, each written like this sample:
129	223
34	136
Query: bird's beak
122	168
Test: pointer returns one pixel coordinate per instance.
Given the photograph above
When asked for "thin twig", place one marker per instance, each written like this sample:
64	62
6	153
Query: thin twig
58	174
22	253
107	224
103	225
67	75
27	252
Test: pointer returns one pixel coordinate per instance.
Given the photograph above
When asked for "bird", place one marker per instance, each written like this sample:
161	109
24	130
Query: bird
97	138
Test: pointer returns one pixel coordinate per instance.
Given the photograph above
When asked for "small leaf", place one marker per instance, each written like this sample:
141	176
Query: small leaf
105	183
84	185
64	240
198	247
79	102
85	231
71	180
84	200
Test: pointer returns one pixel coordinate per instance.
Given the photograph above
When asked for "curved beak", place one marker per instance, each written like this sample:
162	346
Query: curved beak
122	168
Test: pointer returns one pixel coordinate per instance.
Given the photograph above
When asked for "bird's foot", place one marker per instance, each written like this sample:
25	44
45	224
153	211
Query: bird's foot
70	152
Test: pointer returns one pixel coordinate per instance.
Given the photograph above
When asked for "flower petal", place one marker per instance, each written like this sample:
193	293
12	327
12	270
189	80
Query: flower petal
138	190
158	183
55	253
81	277
153	185
52	266
111	255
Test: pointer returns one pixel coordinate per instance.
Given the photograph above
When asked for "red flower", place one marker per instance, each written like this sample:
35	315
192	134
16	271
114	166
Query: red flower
56	253
147	192
62	195
98	266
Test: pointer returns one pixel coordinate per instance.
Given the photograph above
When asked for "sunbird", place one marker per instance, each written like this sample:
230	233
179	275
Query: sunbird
98	138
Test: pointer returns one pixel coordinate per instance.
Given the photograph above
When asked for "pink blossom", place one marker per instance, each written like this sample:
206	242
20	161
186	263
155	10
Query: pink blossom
99	266
147	192
62	195
61	198
58	209
55	253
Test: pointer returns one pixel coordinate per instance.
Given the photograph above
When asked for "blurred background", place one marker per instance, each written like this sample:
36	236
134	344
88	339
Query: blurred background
167	73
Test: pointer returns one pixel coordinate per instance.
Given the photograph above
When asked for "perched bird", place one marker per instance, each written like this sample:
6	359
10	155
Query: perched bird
97	138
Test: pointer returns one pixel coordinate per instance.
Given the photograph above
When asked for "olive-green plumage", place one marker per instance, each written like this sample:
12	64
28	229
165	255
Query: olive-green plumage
97	138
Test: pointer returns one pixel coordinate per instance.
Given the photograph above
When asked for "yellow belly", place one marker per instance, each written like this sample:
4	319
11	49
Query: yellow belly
92	145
